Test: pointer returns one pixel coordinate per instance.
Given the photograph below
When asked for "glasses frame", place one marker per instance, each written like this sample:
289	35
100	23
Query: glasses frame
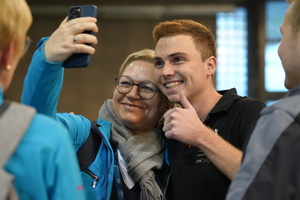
133	84
27	43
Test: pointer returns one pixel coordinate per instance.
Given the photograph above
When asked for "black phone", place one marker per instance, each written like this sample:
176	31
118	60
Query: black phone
80	59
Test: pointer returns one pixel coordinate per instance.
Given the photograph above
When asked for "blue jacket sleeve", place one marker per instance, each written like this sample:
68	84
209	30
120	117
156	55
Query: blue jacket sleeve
43	83
78	128
42	87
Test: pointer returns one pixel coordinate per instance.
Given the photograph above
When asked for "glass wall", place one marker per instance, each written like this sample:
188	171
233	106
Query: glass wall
231	39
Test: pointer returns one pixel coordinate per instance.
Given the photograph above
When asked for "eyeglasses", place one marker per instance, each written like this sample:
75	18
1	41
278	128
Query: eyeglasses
146	89
27	43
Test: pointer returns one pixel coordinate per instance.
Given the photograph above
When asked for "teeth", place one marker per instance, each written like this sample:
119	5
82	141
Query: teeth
173	84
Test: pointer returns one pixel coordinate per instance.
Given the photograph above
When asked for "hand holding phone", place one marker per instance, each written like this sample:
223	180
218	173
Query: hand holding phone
80	59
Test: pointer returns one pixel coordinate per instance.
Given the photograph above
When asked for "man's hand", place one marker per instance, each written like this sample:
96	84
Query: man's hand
183	124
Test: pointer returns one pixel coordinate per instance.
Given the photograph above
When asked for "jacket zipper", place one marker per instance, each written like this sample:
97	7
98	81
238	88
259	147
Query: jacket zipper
96	178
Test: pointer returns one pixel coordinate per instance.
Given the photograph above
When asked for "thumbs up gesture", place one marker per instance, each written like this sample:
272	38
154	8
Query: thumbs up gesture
183	124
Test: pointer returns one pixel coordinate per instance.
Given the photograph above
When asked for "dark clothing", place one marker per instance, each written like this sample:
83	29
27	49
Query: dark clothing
161	177
130	194
193	176
271	160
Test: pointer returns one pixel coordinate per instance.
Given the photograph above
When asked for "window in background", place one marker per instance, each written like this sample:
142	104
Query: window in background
231	37
274	74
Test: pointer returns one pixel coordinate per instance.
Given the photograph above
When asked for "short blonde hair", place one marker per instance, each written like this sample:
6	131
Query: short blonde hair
15	20
202	36
144	55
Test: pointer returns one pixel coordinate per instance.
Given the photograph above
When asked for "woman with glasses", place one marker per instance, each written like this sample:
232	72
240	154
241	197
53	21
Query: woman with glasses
130	163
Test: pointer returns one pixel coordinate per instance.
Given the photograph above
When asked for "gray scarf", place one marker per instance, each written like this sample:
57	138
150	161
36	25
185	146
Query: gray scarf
142	152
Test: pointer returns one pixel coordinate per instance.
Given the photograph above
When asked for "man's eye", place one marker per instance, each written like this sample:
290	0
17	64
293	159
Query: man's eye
177	59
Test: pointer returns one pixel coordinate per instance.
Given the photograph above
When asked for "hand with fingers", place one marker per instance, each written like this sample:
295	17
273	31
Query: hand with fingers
69	38
183	124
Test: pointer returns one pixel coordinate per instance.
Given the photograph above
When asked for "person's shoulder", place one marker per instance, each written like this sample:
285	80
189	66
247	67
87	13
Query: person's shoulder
250	102
103	122
288	105
46	123
234	96
44	129
247	99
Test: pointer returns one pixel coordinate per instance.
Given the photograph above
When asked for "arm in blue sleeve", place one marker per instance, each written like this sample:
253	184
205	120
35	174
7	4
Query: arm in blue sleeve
42	87
78	128
43	83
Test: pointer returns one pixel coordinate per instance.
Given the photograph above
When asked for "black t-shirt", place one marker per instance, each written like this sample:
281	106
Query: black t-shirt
193	176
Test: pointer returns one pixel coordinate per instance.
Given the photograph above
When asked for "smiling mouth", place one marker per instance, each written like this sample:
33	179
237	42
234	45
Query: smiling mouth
173	84
131	105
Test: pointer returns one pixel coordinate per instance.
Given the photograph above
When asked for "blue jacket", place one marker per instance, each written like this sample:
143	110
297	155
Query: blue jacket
42	87
43	164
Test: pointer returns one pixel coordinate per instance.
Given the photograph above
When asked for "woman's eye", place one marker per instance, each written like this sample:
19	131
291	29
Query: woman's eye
125	84
158	63
146	88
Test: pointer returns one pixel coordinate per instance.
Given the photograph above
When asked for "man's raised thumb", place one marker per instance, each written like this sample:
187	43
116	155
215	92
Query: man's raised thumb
184	101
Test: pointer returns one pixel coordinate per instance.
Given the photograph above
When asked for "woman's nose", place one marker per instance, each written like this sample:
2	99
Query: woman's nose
134	92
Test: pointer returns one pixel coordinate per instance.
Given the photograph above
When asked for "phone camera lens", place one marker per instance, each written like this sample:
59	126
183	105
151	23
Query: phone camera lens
75	12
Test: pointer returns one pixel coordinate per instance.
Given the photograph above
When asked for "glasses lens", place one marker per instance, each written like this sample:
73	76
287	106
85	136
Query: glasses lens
147	90
124	84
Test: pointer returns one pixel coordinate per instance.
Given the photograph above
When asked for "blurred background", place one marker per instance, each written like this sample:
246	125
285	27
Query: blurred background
247	34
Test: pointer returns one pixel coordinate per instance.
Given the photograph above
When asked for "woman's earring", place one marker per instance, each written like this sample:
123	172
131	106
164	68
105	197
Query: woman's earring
8	67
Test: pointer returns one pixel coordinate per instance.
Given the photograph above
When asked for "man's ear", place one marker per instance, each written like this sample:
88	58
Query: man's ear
211	65
6	55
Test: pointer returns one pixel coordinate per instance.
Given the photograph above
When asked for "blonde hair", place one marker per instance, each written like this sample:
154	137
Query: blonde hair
144	55
15	20
203	37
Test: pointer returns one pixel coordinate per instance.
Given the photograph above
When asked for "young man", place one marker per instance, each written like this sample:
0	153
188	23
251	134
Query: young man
210	129
270	168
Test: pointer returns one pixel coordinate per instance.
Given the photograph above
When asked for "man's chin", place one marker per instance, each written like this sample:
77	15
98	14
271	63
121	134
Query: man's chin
174	98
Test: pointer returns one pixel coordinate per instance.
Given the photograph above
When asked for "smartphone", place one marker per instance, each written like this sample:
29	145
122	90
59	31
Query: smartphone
80	59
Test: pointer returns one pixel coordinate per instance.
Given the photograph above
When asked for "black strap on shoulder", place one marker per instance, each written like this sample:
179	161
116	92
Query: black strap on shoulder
88	151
